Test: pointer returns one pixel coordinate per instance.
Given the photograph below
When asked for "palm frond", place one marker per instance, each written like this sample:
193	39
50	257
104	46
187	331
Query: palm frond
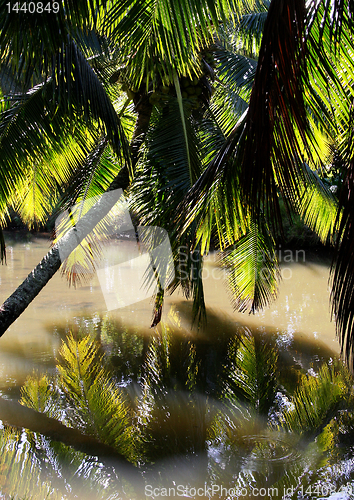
29	135
38	196
166	36
250	27
170	162
343	268
252	269
89	183
245	36
235	71
214	200
28	44
331	15
33	126
276	113
262	153
318	207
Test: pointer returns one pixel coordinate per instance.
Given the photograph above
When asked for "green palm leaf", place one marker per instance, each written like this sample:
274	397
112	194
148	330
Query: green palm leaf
32	43
87	183
318	207
171	161
166	36
252	269
343	268
262	153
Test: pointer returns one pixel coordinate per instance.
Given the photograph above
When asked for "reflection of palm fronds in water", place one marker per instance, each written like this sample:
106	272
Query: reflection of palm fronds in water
237	439
251	373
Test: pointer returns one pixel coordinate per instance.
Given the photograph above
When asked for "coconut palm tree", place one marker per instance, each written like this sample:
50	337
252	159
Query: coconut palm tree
216	112
61	85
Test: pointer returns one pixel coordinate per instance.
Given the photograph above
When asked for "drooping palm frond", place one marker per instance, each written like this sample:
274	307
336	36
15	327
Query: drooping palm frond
89	97
343	268
235	71
340	94
331	14
252	269
276	113
32	42
262	153
76	90
171	161
245	35
250	28
89	182
35	125
215	200
318	206
329	69
23	144
165	36
38	196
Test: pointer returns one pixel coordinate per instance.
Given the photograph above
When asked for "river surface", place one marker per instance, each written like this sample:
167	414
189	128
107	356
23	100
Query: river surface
164	392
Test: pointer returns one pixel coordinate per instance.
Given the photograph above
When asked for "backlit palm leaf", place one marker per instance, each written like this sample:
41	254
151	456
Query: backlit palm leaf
32	43
36	198
89	182
318	207
160	37
252	269
343	268
263	151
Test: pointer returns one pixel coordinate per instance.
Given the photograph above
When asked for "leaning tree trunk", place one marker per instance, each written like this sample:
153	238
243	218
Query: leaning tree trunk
14	306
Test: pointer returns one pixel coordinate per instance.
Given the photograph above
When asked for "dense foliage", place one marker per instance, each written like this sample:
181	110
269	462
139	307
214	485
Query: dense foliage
211	114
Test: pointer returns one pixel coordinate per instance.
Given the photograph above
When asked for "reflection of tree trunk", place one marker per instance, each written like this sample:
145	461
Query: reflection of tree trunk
20	416
14	306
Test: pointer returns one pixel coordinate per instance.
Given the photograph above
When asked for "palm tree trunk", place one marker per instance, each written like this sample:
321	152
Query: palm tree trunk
49	265
14	306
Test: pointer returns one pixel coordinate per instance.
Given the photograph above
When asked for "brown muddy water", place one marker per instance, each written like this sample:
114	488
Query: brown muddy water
113	409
